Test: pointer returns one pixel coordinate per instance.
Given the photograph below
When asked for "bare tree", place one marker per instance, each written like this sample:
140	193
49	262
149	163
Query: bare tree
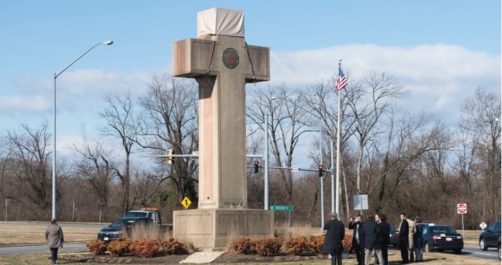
95	168
287	124
29	150
481	123
170	122
5	165
322	106
368	101
122	124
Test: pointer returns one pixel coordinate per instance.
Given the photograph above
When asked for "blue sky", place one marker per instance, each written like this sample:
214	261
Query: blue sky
440	50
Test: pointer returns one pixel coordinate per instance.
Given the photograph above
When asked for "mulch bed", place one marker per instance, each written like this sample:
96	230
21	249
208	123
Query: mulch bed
106	259
175	259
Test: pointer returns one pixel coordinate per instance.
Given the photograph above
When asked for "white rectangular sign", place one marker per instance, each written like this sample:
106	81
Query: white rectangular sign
360	202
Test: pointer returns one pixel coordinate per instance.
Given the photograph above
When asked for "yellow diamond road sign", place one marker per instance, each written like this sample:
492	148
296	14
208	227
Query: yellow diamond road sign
186	202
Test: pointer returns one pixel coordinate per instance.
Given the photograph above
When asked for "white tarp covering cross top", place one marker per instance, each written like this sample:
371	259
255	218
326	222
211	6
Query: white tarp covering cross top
220	21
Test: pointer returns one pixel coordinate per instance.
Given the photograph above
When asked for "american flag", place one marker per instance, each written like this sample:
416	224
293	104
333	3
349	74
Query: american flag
341	80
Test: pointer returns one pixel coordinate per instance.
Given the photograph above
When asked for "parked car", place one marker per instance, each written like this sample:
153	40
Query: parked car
441	237
394	239
490	237
121	228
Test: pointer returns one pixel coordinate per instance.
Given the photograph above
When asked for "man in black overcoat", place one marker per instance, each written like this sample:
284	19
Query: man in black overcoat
357	238
403	238
384	228
335	232
372	242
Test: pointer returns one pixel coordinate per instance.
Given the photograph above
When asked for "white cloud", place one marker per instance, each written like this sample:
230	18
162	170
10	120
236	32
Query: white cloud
438	77
27	103
418	63
95	83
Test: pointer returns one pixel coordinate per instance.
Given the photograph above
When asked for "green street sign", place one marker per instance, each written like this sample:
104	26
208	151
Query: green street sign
288	208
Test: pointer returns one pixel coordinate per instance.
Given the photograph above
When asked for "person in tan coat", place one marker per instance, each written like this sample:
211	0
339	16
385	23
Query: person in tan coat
411	232
55	239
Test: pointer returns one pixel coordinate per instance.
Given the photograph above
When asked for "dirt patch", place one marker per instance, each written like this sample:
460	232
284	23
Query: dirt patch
90	259
238	258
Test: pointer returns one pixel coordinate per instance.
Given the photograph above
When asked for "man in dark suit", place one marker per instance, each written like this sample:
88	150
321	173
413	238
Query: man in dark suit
384	228
403	238
371	235
335	232
357	244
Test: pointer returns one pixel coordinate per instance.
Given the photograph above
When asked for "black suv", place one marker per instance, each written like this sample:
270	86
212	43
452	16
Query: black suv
490	237
441	237
121	228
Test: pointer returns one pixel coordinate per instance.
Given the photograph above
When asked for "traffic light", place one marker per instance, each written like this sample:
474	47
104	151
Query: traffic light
256	166
321	170
169	159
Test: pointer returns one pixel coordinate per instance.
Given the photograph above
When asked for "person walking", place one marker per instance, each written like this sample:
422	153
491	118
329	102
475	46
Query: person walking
418	241
335	232
403	238
371	235
55	239
357	244
384	227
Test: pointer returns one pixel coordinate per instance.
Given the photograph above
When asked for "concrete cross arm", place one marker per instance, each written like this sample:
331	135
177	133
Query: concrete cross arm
198	57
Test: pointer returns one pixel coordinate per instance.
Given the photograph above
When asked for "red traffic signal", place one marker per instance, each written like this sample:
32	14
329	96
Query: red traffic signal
321	170
256	166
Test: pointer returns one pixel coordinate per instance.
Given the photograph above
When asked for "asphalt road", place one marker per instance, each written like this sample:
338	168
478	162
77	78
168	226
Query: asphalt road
37	248
474	251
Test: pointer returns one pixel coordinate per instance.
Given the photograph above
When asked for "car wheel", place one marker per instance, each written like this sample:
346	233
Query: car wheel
457	251
427	248
482	244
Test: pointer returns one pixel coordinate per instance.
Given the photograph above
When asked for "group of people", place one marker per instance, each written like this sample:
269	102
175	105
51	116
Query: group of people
411	242
373	236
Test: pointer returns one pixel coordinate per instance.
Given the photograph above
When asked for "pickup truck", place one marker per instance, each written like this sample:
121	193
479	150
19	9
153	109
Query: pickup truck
123	227
152	213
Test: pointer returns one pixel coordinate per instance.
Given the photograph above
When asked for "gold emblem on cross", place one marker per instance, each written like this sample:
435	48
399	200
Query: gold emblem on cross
230	58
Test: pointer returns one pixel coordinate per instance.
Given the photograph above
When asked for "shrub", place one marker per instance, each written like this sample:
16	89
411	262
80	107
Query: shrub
96	247
347	242
317	242
147	248
173	247
120	247
299	246
243	246
269	246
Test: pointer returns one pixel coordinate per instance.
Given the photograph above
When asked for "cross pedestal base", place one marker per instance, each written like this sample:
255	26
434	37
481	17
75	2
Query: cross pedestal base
212	229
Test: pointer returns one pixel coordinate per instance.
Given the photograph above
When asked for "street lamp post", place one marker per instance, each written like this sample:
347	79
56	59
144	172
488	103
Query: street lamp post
56	75
265	175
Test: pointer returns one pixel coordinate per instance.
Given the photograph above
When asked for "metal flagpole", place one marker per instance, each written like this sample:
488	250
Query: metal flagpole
338	130
332	178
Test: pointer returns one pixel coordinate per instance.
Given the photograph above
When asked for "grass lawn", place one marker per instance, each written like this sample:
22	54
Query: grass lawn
34	233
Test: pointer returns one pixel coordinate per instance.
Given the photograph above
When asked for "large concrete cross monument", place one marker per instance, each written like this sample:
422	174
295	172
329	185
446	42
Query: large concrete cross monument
222	63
